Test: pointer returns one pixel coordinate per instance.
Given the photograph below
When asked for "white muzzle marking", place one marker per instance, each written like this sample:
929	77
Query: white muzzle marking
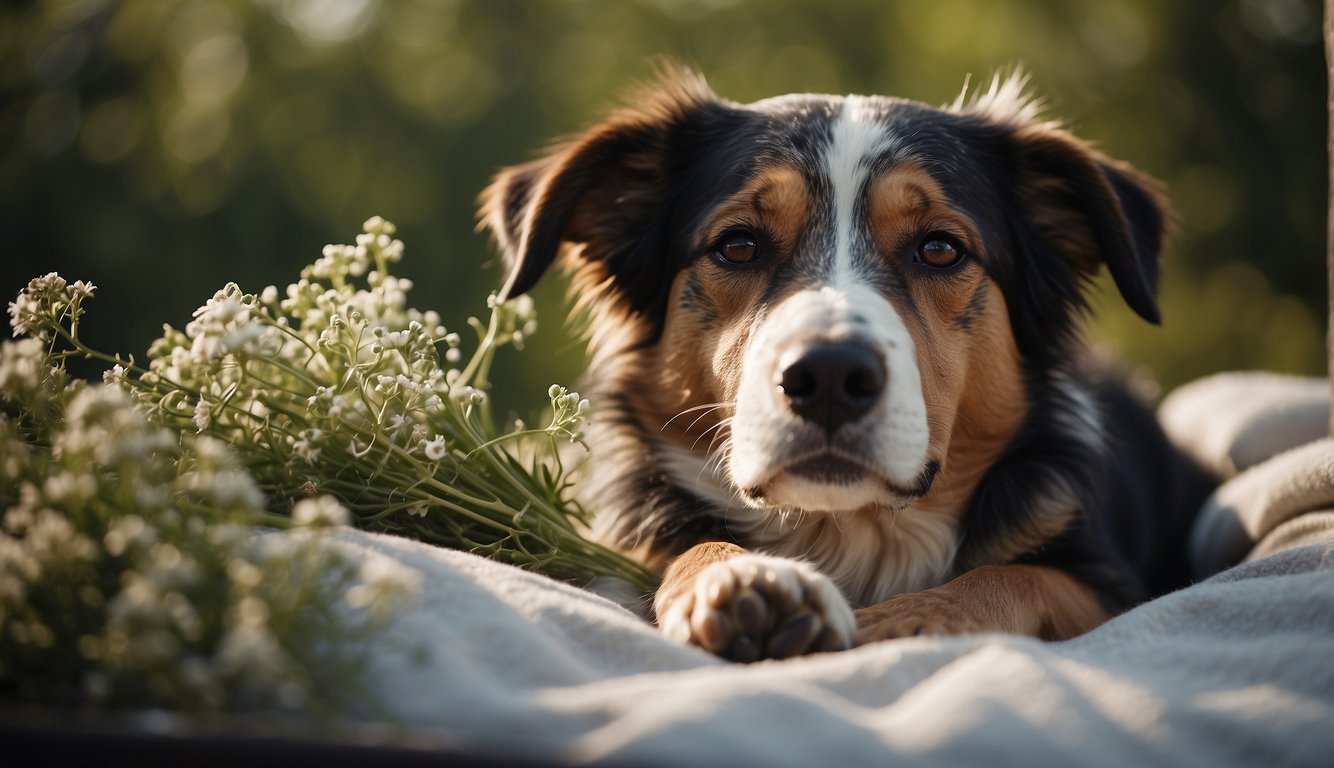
766	436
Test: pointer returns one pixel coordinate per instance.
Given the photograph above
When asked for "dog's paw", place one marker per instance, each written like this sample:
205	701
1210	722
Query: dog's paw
916	613
753	607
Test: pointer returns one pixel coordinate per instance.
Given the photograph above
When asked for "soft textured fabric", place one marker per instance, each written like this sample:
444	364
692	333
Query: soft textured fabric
1235	670
1230	422
1265	434
1286	489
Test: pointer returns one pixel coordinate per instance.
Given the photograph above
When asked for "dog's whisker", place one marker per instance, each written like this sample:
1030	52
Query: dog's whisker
716	429
716	461
943	478
705	414
838	522
952	411
718	433
709	406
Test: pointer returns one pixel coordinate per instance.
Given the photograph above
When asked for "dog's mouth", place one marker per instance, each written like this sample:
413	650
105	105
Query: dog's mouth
832	469
828	467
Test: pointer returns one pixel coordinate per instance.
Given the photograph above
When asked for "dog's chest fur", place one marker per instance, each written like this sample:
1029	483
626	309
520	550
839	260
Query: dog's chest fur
871	555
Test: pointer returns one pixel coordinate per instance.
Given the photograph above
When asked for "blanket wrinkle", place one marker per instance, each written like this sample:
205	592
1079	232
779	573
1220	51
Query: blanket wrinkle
1310	528
1230	671
1266	435
1229	422
1252	505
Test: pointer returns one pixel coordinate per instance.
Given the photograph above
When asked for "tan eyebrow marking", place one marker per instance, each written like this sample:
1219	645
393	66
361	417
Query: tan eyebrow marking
776	199
905	199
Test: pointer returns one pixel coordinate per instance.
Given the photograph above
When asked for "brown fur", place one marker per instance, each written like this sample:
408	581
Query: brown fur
697	364
679	578
971	378
1020	599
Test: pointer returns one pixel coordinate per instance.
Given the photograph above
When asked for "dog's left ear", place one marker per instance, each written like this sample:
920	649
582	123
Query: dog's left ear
1093	210
598	193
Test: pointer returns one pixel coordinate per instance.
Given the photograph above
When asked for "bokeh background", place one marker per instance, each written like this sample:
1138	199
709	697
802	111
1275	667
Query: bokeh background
161	148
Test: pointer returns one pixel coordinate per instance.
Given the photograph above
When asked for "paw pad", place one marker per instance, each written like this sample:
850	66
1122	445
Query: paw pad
754	607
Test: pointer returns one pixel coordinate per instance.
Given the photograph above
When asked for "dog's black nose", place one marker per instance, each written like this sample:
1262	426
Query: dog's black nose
833	384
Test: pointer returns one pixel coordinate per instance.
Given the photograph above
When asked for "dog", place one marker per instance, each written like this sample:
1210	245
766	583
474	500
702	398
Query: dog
841	394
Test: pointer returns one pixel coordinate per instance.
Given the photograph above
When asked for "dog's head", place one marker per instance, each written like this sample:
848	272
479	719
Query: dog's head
860	288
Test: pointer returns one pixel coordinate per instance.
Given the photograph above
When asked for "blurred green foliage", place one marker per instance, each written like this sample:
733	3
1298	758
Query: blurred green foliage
161	148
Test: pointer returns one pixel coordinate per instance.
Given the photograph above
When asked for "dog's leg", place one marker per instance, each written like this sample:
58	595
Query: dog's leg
1020	599
747	607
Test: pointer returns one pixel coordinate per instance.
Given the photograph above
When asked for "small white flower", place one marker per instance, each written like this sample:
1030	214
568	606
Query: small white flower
244	338
23	366
114	376
253	651
434	448
382	578
23	312
387	575
69	488
127	532
242	573
320	512
306	451
222	309
203	414
524	307
45	303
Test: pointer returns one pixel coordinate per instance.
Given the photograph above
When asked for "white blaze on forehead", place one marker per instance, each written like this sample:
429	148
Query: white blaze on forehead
766	436
857	137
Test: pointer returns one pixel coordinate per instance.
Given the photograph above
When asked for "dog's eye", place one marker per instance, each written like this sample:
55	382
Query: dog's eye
940	252
738	247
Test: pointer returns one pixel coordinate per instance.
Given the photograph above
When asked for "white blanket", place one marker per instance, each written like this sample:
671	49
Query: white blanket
1235	670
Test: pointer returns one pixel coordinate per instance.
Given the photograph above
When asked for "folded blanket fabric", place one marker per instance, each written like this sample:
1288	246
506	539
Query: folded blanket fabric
1289	489
500	662
1232	421
1266	432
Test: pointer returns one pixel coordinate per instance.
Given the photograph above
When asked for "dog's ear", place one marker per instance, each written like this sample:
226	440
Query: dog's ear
1093	210
596	192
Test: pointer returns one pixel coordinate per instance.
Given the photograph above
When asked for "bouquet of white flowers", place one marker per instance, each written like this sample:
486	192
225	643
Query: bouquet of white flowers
330	402
130	575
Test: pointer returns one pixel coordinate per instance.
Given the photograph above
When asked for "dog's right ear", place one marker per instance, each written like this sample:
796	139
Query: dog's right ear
595	193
